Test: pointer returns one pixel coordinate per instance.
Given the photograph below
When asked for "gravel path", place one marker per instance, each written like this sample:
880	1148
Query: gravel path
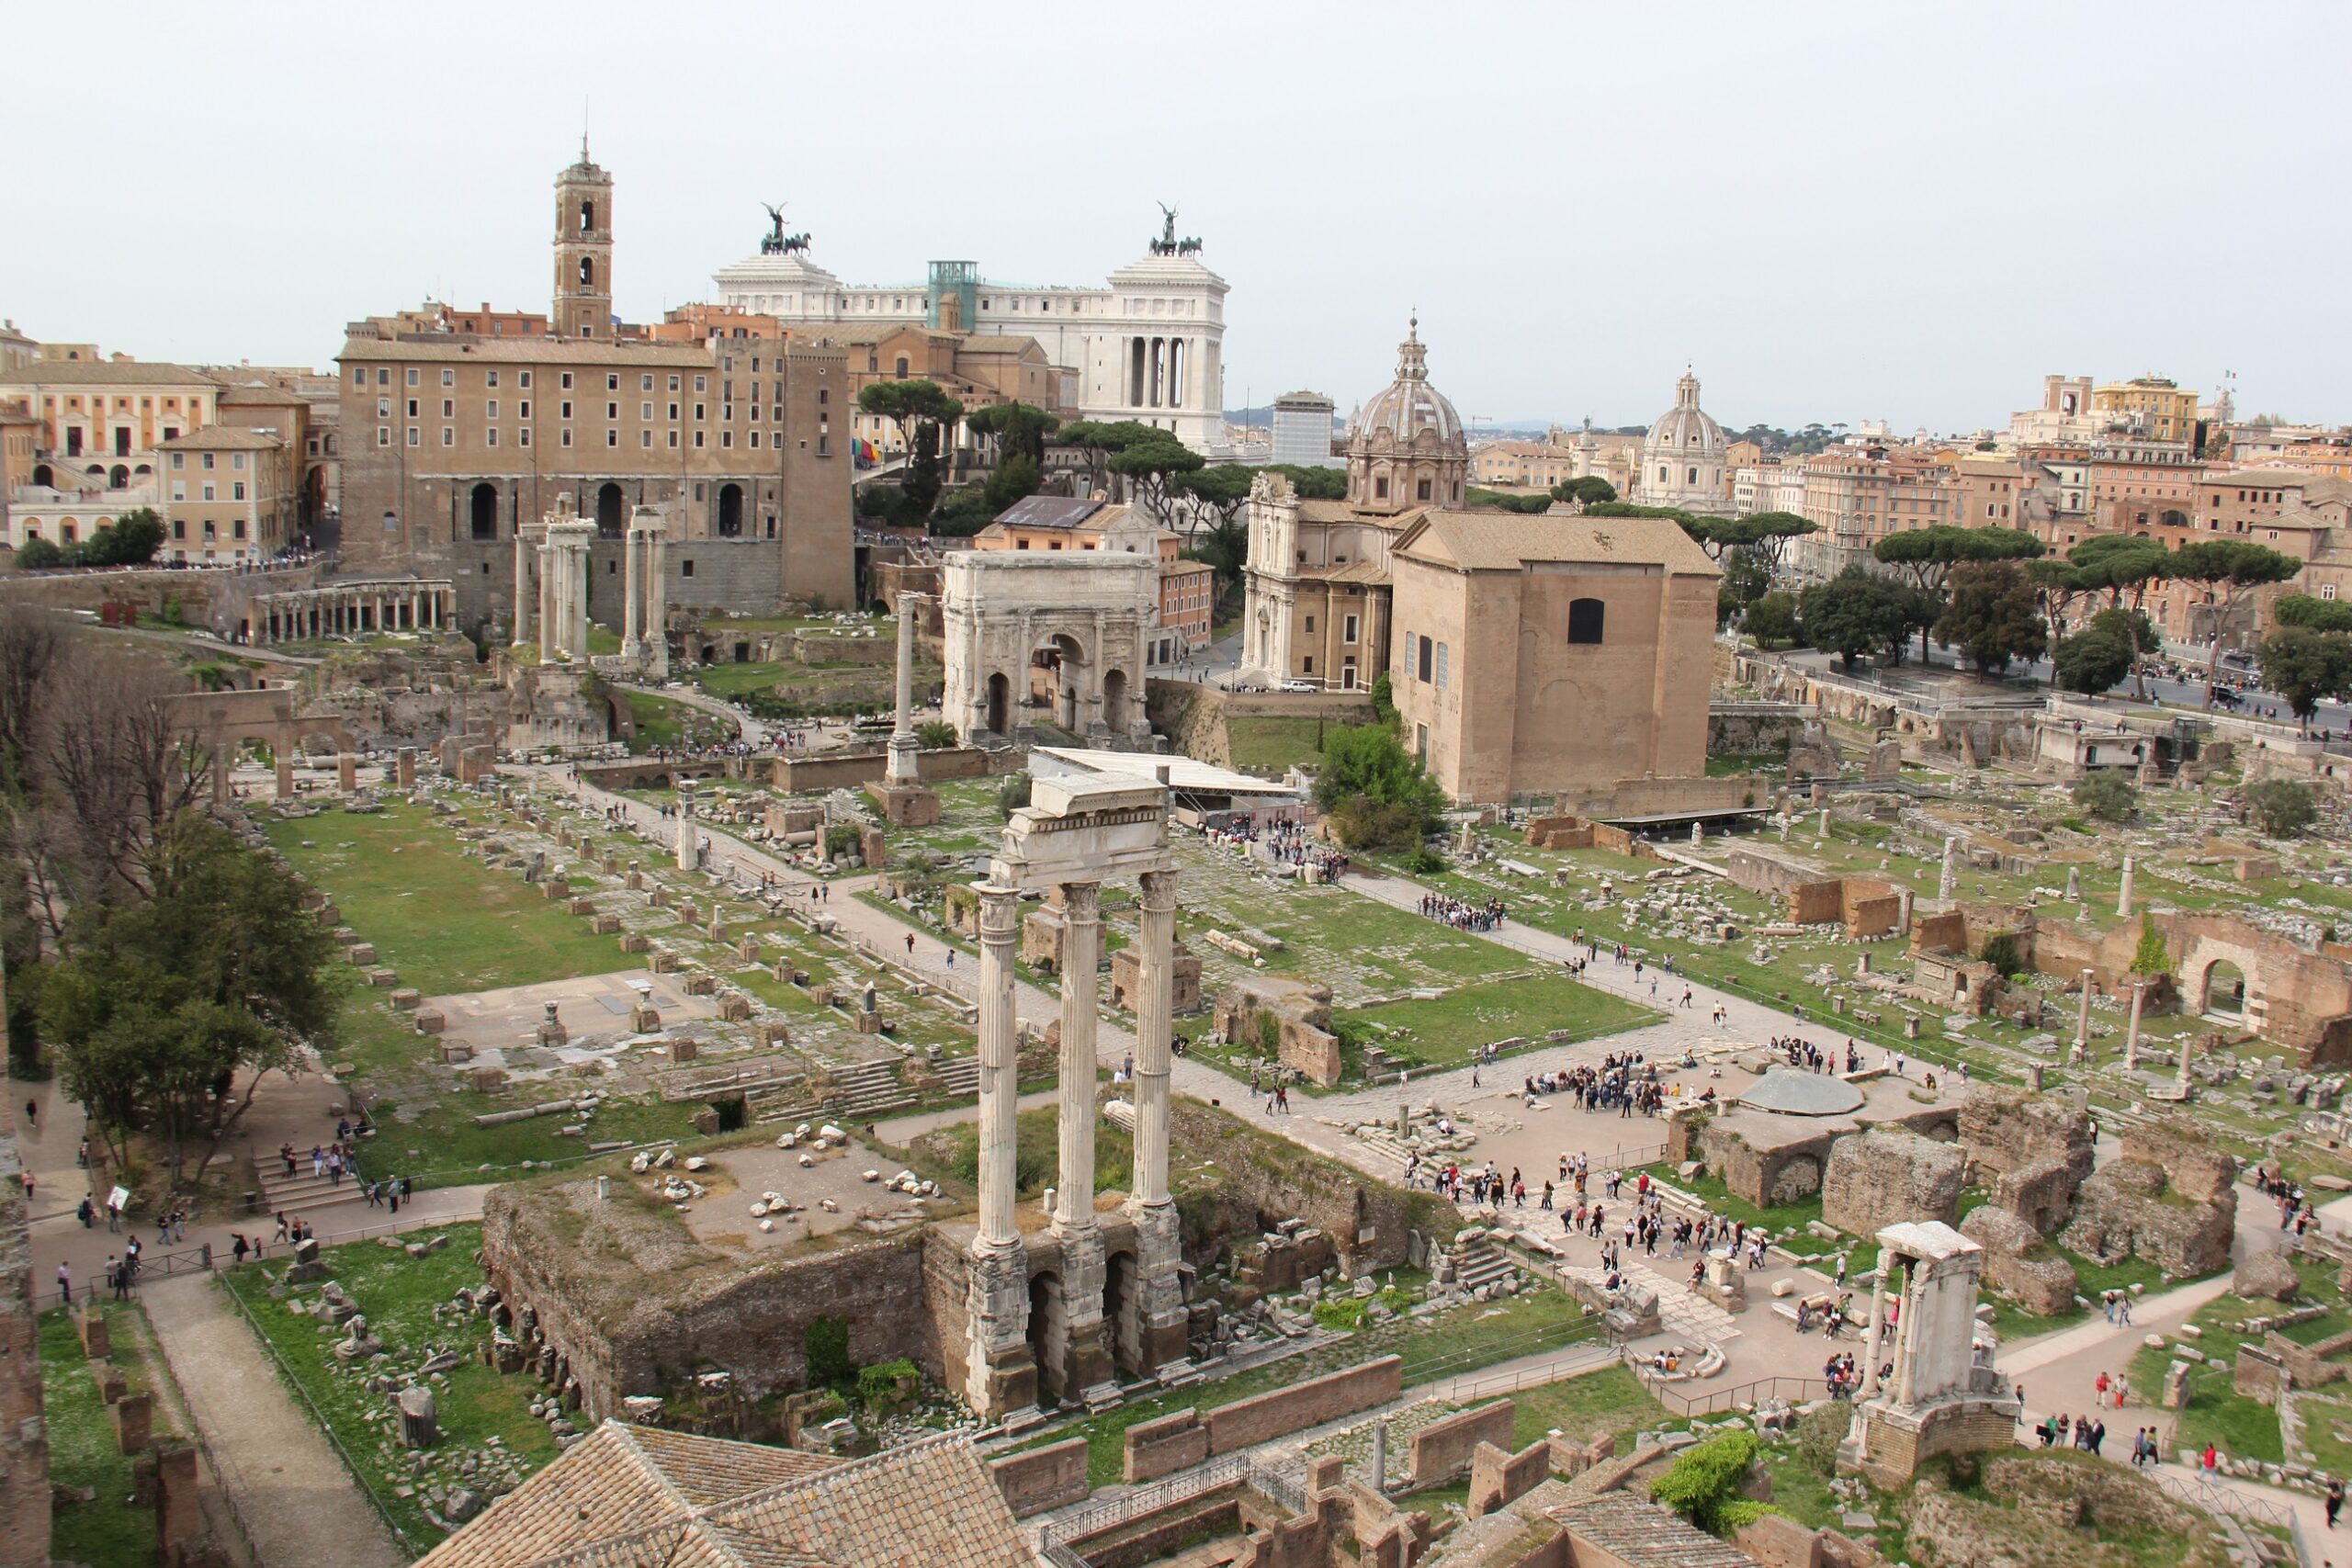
298	1501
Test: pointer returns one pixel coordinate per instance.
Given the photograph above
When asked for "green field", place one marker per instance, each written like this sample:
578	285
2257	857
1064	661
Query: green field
1270	743
445	923
111	1530
1447	1031
396	1293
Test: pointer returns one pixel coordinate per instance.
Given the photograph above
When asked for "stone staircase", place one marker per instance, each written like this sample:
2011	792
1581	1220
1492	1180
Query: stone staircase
302	1193
1479	1264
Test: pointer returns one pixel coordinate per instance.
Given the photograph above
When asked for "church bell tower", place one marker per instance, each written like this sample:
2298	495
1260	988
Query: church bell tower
584	250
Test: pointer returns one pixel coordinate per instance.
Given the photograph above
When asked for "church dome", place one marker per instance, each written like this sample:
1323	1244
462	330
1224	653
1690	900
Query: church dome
1686	427
1411	410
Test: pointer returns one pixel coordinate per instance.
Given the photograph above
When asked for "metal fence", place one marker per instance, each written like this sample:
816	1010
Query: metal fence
1790	1389
1463	1388
1234	1469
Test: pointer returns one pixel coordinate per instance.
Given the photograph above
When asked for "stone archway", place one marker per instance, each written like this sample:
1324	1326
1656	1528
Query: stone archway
612	511
1090	612
1122	1313
999	706
1048	1329
1115	700
481	509
2222	990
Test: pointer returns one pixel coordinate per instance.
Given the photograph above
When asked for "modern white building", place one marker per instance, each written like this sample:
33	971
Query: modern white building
1150	346
1303	430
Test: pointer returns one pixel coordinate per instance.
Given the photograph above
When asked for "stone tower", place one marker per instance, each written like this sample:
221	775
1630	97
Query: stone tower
584	250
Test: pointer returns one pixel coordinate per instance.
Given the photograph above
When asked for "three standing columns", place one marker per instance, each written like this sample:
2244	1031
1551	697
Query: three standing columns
1002	1377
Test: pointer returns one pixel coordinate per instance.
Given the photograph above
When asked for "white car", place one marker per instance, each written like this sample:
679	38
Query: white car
1300	686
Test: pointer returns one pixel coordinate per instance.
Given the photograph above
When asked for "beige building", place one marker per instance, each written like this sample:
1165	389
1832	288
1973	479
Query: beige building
1857	497
228	494
1553	654
452	441
2154	406
1561	456
1187	588
1316	606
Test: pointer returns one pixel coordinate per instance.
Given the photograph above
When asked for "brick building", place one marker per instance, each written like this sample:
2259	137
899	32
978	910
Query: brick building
453	439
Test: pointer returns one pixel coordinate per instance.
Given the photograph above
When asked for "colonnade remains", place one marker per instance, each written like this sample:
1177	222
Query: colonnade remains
1075	833
343	609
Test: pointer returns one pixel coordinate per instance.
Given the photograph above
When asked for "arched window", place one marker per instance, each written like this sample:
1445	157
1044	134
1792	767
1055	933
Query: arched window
1585	618
587	216
483	508
587	272
1661	473
1694	477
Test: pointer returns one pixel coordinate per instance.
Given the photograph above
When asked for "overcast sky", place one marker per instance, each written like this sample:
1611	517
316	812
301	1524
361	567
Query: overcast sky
1895	211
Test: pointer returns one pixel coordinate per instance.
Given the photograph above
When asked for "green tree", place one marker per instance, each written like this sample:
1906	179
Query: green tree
923	410
1012	794
2107	795
1014	479
1860	611
1375	789
1100	440
2314	613
2307	668
1211	500
1152	469
1930	555
1018	428
1773	618
934	735
2228	568
2125	566
1590	489
156	1008
1748	577
1993	616
2151	957
133	540
2281	806
38	555
1383	699
1313	484
2092	661
1703	1483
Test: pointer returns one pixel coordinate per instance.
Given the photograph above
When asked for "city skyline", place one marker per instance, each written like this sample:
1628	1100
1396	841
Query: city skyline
1771	209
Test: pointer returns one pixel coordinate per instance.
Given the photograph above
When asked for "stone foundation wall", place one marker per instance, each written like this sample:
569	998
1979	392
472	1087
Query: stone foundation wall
1499	1478
853	769
1876	1179
1050	1477
1249	1422
1367	1221
1442	1450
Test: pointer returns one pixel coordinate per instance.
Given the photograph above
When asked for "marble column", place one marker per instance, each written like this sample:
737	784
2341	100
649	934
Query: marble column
1907	1332
902	768
1877	1329
1001	1377
2123	901
548	619
657	599
1086	1370
1159	1349
2132	1035
2187	1046
689	846
2083	1013
1949	883
577	585
632	586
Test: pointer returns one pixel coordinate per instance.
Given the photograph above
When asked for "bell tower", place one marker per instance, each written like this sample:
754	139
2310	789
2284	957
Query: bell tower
584	250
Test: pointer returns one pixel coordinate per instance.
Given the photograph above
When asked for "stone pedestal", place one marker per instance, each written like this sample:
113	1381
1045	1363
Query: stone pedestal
905	806
1000	1378
404	767
346	773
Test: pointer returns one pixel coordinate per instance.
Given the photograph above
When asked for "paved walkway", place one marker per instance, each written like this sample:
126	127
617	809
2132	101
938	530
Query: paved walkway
297	1499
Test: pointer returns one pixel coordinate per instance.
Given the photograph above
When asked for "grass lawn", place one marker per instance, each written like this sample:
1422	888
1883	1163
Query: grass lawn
1581	1408
2217	1413
1446	1030
444	922
110	1530
396	1293
1270	743
1459	1341
664	721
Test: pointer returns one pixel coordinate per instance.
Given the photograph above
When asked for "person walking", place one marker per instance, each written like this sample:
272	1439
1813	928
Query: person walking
65	1284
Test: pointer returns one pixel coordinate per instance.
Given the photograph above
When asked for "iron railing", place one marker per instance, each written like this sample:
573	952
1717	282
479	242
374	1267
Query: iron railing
1236	1469
1789	1389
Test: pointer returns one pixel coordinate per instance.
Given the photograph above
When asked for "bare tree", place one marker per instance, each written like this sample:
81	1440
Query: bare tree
29	638
109	757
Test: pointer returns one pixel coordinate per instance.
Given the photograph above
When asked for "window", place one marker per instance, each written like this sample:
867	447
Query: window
490	378
179	460
612	411
208	489
523	438
674	383
1310	622
1421	490
411	375
612	438
359	375
448	435
645	410
383	379
612	382
1350	626
383	436
1306	665
1427	660
524	380
2327	591
566	383
522	409
686	568
449	408
698	411
490	409
1585	618
448	378
644	382
566	441
179	490
1442	664
674	411
1380	488
490	438
413	406
236	490
702	383
565	408
208	459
